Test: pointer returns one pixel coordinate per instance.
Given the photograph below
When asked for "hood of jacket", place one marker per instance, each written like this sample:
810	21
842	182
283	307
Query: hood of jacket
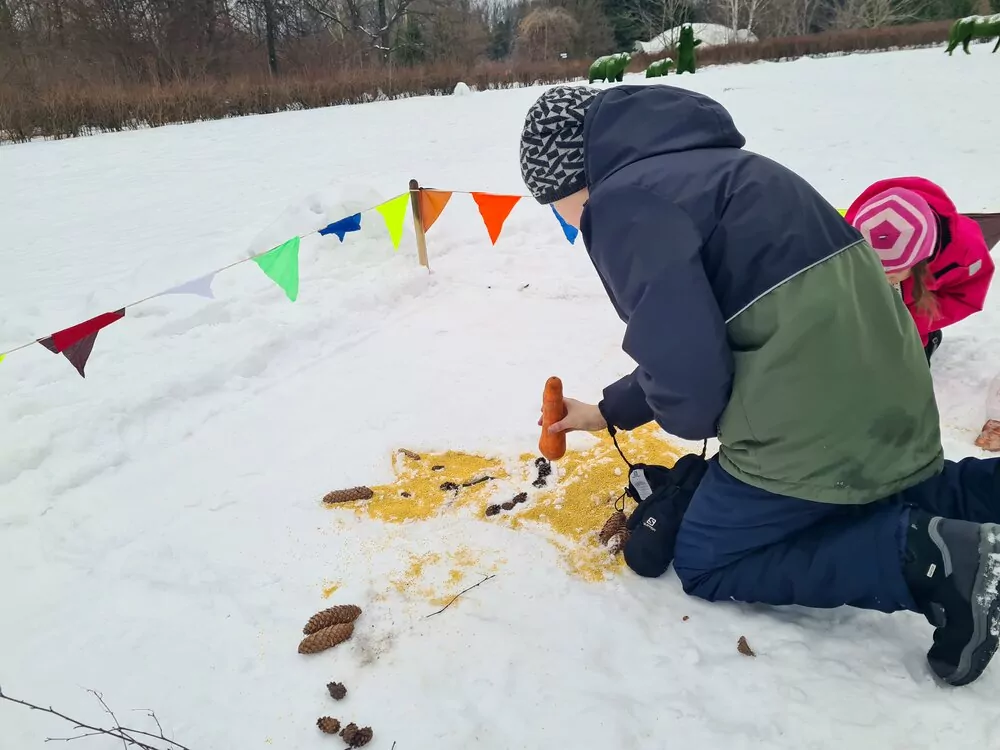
627	124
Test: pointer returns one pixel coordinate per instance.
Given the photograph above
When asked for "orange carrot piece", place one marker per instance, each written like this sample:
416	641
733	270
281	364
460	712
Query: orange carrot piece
553	447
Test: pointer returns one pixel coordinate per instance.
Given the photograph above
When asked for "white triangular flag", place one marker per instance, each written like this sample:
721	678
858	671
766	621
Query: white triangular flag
201	287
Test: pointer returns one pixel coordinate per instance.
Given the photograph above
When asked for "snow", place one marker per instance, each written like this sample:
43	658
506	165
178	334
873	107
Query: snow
462	89
163	540
711	34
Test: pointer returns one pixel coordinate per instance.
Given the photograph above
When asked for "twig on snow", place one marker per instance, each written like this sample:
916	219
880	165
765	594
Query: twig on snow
485	579
118	732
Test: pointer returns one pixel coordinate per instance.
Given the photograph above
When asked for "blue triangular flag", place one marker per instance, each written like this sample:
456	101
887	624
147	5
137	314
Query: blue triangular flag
570	231
343	226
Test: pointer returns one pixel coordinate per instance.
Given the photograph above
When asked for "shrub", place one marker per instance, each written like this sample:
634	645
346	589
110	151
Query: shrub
64	110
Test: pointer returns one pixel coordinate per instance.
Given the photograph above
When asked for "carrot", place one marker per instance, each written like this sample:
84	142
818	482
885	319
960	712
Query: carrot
553	447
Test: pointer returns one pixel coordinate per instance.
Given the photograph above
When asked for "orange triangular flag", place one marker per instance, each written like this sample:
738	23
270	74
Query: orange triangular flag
495	209
432	203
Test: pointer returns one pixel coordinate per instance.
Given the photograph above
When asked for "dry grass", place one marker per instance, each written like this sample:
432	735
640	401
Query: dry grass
74	108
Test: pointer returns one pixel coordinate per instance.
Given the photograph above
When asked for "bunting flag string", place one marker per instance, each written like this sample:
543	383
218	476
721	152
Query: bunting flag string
495	209
281	263
432	203
77	342
568	229
342	227
394	213
201	287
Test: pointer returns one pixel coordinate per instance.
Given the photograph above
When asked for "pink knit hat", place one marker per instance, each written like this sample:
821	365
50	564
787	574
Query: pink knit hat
901	227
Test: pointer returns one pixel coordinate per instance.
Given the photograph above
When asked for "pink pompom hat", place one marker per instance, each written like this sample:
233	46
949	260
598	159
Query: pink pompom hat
900	225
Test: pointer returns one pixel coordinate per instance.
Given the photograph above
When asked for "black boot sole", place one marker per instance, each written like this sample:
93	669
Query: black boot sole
985	604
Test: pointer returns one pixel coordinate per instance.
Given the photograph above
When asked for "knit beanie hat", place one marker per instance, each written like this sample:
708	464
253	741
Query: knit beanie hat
552	143
900	225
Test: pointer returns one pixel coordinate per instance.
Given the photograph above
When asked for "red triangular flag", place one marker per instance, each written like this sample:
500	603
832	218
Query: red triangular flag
432	203
495	209
990	226
77	342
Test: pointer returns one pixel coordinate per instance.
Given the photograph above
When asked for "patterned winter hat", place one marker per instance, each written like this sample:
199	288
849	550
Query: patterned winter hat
901	227
552	143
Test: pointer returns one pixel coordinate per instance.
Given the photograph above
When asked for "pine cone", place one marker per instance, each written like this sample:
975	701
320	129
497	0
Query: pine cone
328	724
544	470
347	496
617	542
355	737
492	510
410	454
326	638
337	690
509	505
520	497
743	647
989	437
615	524
342	613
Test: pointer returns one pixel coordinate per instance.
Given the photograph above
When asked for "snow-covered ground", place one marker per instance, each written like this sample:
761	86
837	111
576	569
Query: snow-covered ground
161	529
711	34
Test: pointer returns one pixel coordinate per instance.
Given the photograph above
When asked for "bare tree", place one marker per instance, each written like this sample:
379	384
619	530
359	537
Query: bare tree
872	14
545	33
656	17
375	20
742	14
271	32
790	17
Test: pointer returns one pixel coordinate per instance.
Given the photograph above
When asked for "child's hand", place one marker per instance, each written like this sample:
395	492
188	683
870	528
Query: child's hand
579	416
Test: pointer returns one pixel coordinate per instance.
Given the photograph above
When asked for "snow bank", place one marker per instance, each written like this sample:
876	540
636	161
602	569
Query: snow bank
711	34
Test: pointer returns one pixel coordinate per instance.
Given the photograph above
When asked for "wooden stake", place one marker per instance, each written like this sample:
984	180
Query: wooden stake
418	224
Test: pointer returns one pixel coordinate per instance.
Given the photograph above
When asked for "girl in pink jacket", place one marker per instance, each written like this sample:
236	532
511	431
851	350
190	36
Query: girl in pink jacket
937	256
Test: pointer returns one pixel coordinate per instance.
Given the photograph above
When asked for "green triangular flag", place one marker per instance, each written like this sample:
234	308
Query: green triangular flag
282	266
394	212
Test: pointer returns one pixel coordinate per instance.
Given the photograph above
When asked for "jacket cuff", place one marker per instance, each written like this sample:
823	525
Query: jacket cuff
624	405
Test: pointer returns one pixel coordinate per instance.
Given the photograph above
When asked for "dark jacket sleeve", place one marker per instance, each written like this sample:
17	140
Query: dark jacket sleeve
648	254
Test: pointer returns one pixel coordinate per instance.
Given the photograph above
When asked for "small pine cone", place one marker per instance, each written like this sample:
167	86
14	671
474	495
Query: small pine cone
492	510
326	638
356	737
347	496
617	543
337	690
509	505
743	647
989	436
520	497
410	454
615	524
328	724
342	613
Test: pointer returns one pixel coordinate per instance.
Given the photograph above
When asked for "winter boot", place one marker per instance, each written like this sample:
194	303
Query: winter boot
933	342
952	569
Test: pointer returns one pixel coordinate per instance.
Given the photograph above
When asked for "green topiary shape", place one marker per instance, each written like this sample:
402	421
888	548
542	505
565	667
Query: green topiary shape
685	50
610	68
659	68
964	30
